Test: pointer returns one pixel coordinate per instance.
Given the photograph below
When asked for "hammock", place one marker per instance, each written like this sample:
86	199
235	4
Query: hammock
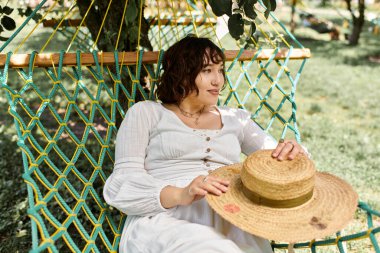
66	104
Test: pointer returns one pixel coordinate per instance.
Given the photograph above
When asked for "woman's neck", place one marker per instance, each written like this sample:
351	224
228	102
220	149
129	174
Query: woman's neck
191	107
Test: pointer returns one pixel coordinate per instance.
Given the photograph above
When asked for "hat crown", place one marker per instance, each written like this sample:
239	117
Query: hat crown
287	180
324	210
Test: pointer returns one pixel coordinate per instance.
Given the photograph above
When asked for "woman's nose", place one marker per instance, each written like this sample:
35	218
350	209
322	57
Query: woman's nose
218	79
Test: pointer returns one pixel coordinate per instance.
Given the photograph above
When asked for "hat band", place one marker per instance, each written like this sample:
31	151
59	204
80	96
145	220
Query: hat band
287	203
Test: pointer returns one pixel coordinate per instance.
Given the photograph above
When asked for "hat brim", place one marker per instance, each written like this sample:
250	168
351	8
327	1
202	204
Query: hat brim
332	206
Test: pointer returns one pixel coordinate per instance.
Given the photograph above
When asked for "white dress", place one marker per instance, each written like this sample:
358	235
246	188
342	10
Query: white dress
155	149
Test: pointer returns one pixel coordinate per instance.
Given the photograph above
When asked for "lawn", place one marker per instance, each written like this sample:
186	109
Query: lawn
338	116
339	112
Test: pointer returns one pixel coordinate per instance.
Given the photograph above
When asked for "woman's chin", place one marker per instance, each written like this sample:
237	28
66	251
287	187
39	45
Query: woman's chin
209	101
212	103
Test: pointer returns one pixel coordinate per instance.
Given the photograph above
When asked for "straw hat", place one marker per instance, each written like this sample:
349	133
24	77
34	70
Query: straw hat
283	200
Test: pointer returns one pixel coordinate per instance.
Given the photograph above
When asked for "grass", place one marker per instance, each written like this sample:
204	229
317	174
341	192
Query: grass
339	113
338	116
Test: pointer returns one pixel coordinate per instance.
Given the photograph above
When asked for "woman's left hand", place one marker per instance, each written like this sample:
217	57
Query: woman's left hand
287	149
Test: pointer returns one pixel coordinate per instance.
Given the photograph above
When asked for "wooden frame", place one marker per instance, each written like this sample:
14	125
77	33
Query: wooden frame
130	58
153	21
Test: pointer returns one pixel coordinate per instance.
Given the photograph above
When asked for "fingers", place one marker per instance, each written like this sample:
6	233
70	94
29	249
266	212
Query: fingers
209	184
218	180
219	186
278	149
193	191
210	188
285	151
294	152
219	183
288	149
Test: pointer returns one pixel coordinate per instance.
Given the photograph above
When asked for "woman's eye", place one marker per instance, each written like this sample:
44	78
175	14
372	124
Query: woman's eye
207	70
221	70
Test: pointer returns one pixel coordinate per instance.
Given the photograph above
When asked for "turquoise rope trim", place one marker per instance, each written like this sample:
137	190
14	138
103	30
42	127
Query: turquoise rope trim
230	82
34	164
117	79
20	142
157	74
117	66
252	85
264	97
282	26
4	73
34	210
286	30
45	189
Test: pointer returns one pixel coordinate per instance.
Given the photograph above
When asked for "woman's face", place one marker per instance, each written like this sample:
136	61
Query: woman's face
209	81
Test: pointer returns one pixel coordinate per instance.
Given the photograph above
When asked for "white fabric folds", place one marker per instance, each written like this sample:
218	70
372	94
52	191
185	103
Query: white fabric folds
154	148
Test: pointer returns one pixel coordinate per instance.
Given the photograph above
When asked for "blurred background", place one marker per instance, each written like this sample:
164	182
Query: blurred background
338	109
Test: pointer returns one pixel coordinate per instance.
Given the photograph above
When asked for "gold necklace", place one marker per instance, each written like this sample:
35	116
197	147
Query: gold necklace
191	115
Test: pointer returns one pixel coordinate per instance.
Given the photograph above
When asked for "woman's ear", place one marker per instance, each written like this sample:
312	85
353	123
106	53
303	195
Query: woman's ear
182	91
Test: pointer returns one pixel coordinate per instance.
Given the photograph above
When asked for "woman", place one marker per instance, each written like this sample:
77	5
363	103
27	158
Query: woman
165	150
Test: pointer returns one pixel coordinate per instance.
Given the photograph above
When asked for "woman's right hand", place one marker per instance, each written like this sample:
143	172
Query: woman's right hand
200	186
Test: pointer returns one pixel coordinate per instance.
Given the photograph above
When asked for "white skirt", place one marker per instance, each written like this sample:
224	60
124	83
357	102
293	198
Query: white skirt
188	229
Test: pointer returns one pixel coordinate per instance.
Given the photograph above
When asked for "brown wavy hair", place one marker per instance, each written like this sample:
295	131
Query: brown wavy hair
182	63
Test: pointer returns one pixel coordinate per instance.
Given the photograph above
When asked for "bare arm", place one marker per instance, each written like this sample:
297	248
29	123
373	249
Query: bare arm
172	196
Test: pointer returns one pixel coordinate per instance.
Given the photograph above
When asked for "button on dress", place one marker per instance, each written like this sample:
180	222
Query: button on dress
154	149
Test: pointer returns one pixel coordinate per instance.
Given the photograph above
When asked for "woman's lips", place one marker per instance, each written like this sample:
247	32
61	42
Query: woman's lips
214	92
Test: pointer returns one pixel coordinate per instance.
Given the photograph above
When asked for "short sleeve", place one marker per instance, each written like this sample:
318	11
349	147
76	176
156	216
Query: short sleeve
254	138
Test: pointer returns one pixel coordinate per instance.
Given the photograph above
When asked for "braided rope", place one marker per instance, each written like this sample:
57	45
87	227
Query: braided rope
66	130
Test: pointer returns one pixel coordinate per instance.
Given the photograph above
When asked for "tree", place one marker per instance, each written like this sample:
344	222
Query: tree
292	16
357	21
108	34
242	13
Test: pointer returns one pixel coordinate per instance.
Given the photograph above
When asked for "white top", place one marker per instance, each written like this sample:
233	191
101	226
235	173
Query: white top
155	149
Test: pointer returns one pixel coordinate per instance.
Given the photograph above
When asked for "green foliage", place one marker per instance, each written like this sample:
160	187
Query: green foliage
221	7
132	23
8	23
273	5
132	12
6	10
236	26
248	10
26	12
242	13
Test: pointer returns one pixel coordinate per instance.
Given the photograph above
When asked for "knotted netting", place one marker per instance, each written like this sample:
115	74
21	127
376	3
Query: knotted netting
67	95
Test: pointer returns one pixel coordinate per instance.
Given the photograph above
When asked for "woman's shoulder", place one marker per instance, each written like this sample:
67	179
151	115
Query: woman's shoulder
234	112
146	106
147	112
